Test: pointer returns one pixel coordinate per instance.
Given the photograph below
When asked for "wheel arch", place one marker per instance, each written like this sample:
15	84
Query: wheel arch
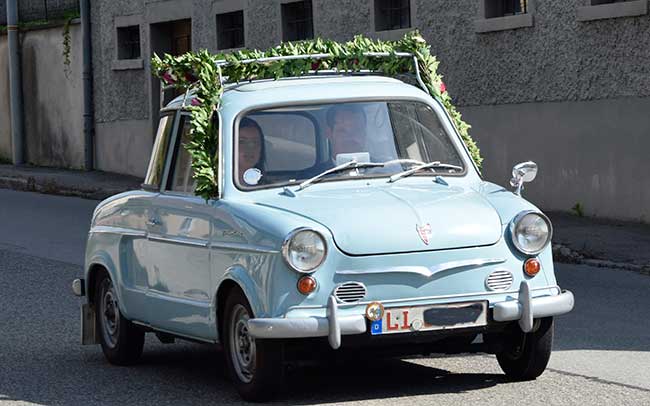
236	278
100	264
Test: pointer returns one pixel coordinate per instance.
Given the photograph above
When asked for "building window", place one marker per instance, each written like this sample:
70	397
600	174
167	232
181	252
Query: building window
597	2
392	14
230	30
128	42
502	8
602	9
297	21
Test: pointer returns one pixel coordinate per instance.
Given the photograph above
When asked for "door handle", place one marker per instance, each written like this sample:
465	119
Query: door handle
152	221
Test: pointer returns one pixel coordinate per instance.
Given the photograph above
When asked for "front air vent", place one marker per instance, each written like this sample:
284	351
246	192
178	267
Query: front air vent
499	280
350	292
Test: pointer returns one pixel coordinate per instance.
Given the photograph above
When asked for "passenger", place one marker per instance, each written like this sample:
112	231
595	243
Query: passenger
251	148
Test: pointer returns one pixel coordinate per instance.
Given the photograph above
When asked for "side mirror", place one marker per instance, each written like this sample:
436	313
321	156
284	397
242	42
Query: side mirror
522	173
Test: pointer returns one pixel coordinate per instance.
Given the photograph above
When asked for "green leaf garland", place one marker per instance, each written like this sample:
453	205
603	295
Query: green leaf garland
199	71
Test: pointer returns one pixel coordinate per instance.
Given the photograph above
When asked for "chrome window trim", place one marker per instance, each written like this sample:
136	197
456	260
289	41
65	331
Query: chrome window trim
517	218
427	272
415	299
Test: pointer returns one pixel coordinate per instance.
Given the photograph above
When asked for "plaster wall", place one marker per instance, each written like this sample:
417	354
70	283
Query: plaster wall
590	152
123	146
53	98
5	108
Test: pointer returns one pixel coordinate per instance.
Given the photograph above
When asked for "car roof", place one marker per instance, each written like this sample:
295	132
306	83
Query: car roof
301	88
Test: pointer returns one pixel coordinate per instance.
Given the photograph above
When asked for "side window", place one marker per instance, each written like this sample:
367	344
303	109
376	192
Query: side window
159	152
181	176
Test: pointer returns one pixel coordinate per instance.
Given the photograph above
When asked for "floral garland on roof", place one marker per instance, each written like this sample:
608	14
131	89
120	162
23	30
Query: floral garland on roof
199	71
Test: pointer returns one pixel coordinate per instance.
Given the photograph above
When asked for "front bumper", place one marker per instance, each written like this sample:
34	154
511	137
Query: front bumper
524	309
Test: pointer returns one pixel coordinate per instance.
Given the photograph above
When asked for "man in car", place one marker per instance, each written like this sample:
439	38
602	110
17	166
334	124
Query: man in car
346	129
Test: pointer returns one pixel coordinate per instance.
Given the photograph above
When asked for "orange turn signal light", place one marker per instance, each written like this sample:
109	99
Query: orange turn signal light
532	266
306	285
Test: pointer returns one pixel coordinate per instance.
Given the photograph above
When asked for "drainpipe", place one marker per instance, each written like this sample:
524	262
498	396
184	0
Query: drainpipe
87	78
15	84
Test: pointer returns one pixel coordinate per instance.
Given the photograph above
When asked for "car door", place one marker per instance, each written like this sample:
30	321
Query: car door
179	281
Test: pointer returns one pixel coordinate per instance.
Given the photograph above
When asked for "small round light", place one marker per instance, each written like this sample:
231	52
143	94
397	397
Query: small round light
530	232
304	250
374	311
306	285
532	266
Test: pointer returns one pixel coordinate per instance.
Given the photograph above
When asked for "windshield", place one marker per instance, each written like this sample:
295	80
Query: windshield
285	146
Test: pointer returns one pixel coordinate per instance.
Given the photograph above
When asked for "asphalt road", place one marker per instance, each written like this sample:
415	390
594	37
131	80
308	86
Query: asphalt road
602	349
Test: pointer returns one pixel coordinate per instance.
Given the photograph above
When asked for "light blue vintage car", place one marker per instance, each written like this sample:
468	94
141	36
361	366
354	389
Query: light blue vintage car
350	217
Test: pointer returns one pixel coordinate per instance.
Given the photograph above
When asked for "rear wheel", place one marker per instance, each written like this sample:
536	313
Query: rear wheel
121	340
526	355
256	367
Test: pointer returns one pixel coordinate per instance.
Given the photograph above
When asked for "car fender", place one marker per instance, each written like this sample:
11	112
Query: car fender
240	276
104	260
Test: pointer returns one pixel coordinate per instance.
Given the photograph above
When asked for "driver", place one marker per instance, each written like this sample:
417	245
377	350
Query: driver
346	130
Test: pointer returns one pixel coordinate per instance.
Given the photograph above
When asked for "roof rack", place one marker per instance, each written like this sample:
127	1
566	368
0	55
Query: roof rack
224	79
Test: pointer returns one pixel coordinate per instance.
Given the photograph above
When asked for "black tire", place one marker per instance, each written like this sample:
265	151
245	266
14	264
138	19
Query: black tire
262	377
121	340
525	356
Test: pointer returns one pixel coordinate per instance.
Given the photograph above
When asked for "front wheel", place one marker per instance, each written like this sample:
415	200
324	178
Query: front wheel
256	367
526	355
121	340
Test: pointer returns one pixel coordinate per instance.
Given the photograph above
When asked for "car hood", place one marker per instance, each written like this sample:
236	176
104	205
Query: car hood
398	218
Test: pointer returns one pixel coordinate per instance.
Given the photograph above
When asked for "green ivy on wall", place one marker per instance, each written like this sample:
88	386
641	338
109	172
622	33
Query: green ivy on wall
199	71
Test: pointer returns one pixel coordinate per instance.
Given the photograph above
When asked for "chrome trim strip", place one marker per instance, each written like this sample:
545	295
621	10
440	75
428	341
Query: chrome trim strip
234	246
187	301
423	270
179	240
414	299
117	230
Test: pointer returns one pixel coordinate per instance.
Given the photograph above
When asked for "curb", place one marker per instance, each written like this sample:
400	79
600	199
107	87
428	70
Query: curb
565	255
51	187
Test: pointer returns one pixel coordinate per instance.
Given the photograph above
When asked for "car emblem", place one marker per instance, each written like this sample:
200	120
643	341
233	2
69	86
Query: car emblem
424	232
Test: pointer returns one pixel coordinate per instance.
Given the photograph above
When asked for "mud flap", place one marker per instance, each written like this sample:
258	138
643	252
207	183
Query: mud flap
88	325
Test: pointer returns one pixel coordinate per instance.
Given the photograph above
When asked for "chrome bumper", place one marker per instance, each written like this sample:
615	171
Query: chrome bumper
332	326
527	308
524	308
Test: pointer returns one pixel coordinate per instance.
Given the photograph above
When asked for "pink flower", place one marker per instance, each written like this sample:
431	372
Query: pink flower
443	88
169	77
189	76
195	102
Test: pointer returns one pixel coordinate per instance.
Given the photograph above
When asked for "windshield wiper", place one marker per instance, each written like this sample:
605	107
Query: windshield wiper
347	165
430	165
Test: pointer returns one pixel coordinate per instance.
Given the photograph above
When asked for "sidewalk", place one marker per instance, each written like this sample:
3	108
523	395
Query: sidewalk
89	185
601	242
597	242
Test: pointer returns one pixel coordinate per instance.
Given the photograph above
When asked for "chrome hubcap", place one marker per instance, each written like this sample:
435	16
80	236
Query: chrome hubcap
110	315
242	345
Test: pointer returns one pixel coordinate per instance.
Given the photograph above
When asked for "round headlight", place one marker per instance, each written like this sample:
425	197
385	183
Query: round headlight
304	250
531	232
